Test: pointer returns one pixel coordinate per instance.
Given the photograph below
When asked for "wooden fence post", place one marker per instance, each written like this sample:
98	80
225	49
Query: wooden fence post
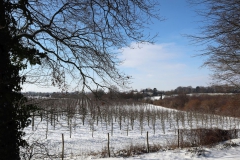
236	133
148	150
47	126
33	122
108	146
178	139
62	146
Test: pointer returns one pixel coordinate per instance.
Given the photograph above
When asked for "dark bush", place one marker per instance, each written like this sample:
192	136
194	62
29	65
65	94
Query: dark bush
203	137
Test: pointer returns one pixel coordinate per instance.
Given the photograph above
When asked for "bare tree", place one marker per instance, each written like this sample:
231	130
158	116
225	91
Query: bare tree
81	39
221	35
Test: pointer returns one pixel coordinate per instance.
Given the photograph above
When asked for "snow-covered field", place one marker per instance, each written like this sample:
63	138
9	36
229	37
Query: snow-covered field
127	126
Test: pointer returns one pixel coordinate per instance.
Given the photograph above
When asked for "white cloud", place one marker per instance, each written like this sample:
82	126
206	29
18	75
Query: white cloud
143	54
164	66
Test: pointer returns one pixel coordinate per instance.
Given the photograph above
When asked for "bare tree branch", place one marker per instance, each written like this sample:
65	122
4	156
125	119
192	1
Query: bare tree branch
84	37
221	34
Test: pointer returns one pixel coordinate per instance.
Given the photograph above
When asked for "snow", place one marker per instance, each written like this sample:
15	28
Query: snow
89	140
209	154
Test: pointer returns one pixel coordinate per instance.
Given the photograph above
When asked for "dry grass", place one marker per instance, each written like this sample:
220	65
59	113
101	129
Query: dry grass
227	105
129	151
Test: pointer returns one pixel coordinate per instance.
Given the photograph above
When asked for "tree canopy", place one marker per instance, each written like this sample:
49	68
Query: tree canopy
79	40
221	34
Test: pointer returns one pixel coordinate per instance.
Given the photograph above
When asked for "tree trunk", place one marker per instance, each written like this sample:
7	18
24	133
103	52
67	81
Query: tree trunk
10	117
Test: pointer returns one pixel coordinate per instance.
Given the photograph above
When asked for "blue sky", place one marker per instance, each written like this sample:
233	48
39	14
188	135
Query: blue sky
171	61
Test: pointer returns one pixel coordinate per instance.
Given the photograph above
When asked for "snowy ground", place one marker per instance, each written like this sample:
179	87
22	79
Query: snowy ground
219	152
88	140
